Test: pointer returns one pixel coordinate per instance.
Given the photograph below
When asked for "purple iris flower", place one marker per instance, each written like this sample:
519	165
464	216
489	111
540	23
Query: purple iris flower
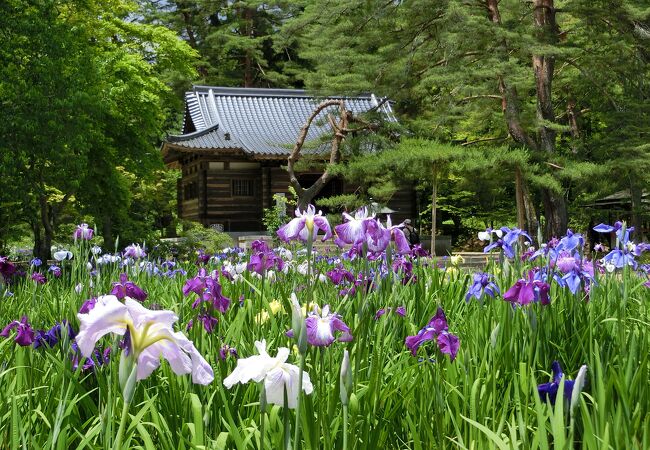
263	260
417	250
52	336
377	238
36	262
526	291
226	350
510	237
97	359
209	322
574	271
39	278
353	230
437	329
88	305
56	271
548	391
84	232
126	288
7	268
207	289
306	223
202	257
339	274
24	332
321	327
483	285
400	311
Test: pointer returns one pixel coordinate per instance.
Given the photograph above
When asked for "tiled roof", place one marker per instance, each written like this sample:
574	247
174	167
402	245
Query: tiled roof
260	122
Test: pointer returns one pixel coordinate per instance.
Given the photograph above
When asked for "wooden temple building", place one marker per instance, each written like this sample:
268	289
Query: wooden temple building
234	145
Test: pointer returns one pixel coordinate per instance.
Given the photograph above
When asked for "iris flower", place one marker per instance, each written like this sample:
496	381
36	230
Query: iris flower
483	285
437	329
150	336
62	255
275	372
321	327
134	251
84	232
306	222
525	291
510	237
125	288
207	289
24	332
548	391
353	230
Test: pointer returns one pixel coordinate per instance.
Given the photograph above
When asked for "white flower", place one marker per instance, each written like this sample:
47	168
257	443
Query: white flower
483	236
96	250
275	372
62	255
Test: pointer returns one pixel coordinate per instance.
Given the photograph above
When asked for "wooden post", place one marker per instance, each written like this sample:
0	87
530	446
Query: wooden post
434	196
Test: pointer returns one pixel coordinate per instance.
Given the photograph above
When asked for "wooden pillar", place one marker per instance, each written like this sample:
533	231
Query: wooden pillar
266	188
179	197
202	187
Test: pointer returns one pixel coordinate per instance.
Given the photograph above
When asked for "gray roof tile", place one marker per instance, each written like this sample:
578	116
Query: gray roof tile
259	121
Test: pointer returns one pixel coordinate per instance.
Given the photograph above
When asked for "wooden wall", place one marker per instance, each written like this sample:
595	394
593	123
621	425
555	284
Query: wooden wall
206	192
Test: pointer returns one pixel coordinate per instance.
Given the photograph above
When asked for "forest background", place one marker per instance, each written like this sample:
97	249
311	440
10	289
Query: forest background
515	112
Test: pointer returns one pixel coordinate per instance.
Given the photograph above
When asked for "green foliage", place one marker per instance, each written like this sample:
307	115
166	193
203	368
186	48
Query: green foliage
486	398
197	237
276	216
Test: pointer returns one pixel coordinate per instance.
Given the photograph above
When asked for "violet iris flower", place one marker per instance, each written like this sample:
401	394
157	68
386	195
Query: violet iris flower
437	329
24	332
97	359
264	259
7	268
400	311
483	285
321	327
548	391
510	237
574	271
354	228
339	274
377	238
56	271
84	232
306	223
125	288
207	289
226	350
398	237
626	252
52	336
150	336
525	291
39	278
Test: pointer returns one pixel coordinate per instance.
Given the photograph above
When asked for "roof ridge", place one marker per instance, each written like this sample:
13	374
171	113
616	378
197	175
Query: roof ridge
194	134
271	92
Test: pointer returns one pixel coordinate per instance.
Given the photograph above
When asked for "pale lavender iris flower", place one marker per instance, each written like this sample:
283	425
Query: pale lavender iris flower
151	335
305	222
321	328
354	228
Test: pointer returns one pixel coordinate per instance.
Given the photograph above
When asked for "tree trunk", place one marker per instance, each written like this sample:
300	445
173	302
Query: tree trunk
44	252
519	195
555	209
434	201
636	198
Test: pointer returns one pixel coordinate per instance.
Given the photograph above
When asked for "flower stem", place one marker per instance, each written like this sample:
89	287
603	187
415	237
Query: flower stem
296	435
345	427
120	432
